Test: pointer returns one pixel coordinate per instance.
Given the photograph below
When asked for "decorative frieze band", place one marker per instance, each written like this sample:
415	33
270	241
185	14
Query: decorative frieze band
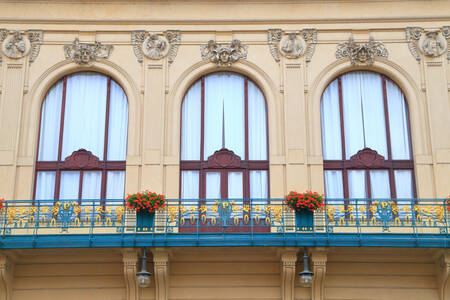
290	45
86	53
432	43
224	55
155	46
18	44
361	53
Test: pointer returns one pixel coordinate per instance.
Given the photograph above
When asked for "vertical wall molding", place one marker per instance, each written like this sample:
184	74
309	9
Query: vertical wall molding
288	262
130	259
6	276
161	271
319	265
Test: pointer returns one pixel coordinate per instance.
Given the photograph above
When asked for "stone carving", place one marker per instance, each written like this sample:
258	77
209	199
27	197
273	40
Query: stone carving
446	35
433	45
224	158
81	159
155	46
291	46
224	55
361	53
86	53
412	37
18	44
367	158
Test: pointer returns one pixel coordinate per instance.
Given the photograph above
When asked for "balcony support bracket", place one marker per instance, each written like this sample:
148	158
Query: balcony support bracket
319	263
161	271
130	260
6	275
443	267
288	262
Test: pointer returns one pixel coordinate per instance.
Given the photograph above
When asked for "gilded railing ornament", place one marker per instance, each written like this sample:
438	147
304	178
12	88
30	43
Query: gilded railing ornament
86	53
291	45
361	53
155	46
224	55
17	44
433	43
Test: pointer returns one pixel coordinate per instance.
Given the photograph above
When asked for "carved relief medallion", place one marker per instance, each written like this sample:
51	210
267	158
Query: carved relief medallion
290	45
17	44
86	53
361	53
432	44
224	55
155	46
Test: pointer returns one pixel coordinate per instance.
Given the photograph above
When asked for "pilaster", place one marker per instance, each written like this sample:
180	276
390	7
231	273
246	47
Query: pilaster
319	264
130	259
288	262
6	276
161	271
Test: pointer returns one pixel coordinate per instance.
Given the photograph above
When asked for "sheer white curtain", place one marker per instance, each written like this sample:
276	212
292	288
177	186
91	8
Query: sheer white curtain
70	182
191	123
235	186
357	184
45	186
334	188
213	185
224	98
257	123
398	122
259	185
115	184
379	184
363	111
118	123
403	184
50	123
85	111
331	124
189	185
92	182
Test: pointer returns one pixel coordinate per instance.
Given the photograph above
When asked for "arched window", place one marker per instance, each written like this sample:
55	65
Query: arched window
83	139
366	139
224	139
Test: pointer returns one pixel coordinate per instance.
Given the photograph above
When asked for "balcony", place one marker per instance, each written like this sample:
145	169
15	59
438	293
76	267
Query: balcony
225	222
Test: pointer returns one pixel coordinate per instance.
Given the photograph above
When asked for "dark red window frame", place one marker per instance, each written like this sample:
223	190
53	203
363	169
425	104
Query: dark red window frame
81	160
367	159
224	160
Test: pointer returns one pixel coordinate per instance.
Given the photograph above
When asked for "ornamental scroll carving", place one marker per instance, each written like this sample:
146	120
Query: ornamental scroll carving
432	43
361	53
224	55
155	46
86	53
18	44
290	45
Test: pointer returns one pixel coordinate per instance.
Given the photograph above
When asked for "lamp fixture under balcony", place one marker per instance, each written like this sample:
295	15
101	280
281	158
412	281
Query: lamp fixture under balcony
306	276
143	277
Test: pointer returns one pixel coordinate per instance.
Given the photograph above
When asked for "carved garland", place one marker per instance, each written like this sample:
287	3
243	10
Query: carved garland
86	53
361	53
224	55
17	44
155	46
291	46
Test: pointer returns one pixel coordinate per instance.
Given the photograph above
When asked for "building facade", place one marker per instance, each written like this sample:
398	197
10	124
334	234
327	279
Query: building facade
211	100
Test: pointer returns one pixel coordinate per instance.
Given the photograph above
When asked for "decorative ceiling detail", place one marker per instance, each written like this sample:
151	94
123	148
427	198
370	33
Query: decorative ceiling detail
18	44
155	46
290	45
361	53
224	55
432	43
86	53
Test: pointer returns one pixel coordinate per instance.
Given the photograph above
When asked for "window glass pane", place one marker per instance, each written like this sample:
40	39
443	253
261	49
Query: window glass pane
357	184
115	184
259	187
331	124
224	113
191	123
50	121
403	184
45	185
84	118
235	187
333	184
213	185
92	184
69	185
379	184
118	123
189	185
398	122
257	123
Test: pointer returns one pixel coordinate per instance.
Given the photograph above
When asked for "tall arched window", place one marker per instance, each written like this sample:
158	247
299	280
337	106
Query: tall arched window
366	139
224	139
83	139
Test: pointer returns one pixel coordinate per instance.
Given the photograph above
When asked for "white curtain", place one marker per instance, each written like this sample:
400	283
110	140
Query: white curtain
235	186
379	184
259	185
84	119
331	124
334	188
70	183
45	186
257	123
190	185
115	184
92	183
364	123
191	123
398	122
403	184
357	184
50	123
224	107
213	185
118	123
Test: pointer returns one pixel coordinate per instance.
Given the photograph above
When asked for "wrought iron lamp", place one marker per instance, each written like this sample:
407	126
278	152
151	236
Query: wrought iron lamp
143	277
306	276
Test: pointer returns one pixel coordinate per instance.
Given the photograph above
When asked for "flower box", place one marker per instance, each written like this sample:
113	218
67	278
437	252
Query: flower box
145	204
145	221
304	205
304	220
